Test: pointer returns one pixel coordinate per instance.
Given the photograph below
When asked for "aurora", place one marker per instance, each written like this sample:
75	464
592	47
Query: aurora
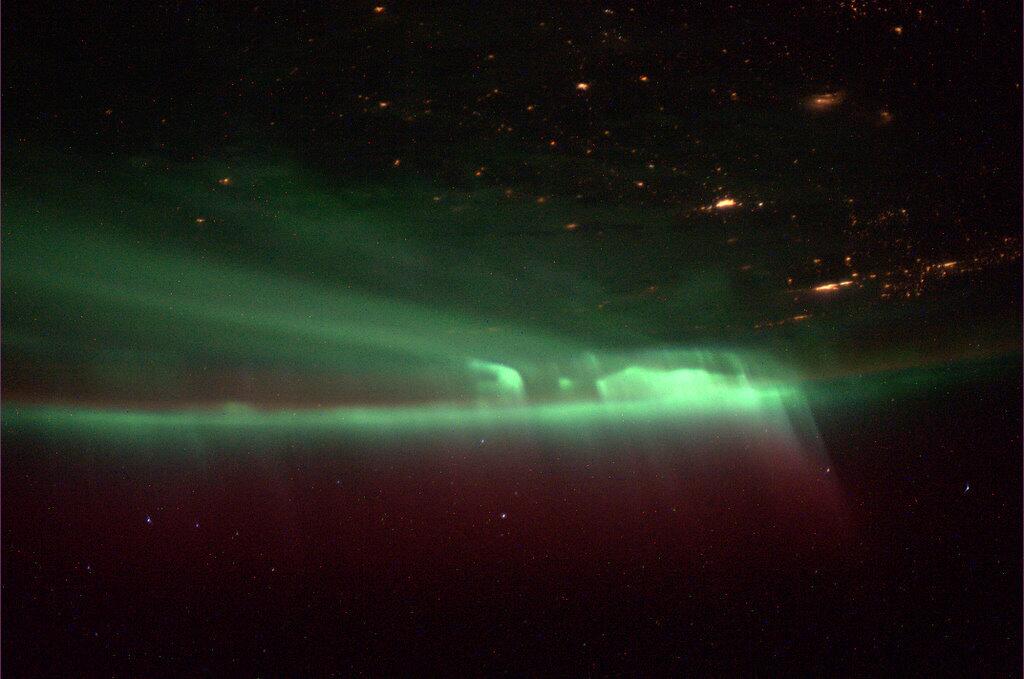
642	401
510	339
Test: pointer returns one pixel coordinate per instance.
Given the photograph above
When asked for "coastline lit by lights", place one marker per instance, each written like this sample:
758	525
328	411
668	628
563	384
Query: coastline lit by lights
831	287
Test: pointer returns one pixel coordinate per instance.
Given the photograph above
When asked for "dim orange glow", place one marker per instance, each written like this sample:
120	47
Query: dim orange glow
583	87
825	101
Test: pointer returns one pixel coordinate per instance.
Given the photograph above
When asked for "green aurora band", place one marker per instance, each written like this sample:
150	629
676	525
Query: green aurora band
632	403
153	312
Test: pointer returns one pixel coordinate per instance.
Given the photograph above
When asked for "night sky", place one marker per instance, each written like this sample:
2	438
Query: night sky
512	338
